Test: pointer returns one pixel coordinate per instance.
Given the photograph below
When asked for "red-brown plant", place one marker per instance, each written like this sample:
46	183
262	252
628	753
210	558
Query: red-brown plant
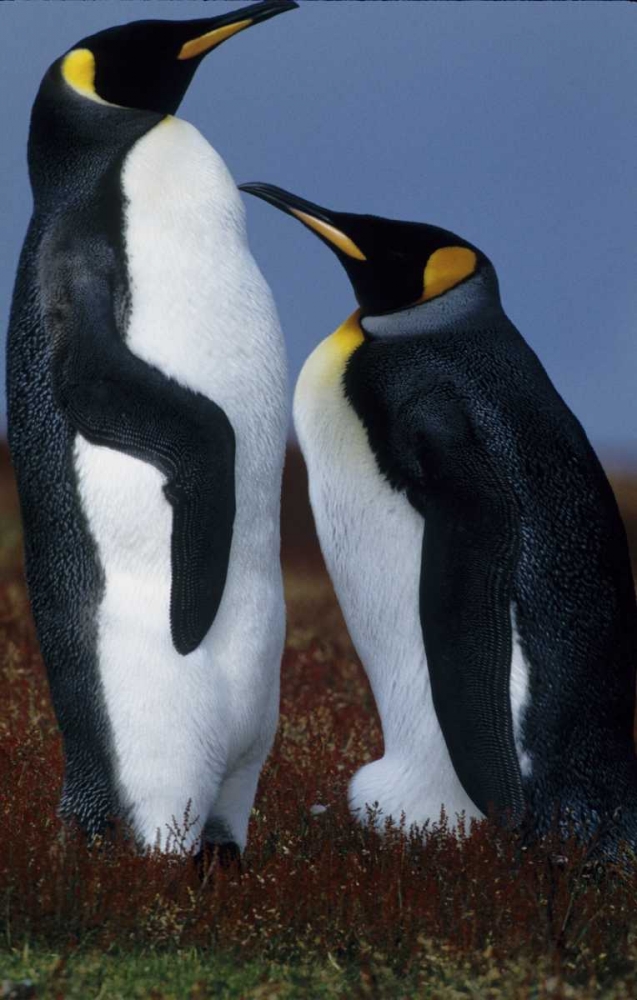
310	884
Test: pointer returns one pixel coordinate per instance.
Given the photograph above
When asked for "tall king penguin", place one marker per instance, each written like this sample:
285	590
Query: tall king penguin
147	421
473	539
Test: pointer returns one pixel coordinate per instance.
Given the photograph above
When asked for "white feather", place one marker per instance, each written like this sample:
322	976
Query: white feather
520	696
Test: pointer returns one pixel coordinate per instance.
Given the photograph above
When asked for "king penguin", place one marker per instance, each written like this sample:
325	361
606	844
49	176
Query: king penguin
474	543
147	422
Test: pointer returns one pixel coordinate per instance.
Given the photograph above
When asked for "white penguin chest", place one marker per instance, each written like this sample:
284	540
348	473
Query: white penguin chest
201	313
200	308
370	535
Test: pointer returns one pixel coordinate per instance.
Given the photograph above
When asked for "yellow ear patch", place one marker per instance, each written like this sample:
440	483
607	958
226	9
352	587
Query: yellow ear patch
78	69
445	268
211	39
331	234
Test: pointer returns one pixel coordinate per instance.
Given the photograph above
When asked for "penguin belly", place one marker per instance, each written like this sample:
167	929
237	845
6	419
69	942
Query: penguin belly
191	731
371	538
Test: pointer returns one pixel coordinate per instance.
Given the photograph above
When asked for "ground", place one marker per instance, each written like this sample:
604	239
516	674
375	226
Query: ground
320	907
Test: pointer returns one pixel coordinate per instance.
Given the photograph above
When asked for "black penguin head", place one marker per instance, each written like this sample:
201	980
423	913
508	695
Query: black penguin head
392	265
148	65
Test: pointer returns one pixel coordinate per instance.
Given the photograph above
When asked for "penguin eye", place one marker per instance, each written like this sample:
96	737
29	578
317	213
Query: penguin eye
446	268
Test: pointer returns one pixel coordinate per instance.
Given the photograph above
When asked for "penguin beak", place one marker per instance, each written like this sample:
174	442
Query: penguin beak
227	25
320	220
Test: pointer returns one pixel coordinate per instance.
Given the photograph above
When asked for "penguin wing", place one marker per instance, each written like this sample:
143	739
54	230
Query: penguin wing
469	552
115	399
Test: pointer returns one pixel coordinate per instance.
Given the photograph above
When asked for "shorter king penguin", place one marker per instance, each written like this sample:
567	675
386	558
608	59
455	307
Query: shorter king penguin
474	543
147	423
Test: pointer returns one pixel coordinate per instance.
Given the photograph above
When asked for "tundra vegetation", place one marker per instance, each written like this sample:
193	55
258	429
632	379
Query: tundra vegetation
320	907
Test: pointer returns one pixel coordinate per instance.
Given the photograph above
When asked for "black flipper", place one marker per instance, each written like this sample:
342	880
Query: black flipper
469	551
115	399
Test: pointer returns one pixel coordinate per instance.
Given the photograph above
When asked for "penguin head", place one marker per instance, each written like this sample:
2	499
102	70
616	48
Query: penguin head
148	65
393	266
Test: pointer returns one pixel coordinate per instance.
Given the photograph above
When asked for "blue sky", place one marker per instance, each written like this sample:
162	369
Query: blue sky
513	124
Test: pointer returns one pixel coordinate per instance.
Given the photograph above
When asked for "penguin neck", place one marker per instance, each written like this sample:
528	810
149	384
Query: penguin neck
73	141
473	304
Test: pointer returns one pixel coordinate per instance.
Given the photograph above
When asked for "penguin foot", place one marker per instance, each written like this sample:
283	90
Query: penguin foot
228	855
598	842
212	857
218	850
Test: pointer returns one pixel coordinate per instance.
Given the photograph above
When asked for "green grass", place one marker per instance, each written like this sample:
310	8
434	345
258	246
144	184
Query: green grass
172	975
193	974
